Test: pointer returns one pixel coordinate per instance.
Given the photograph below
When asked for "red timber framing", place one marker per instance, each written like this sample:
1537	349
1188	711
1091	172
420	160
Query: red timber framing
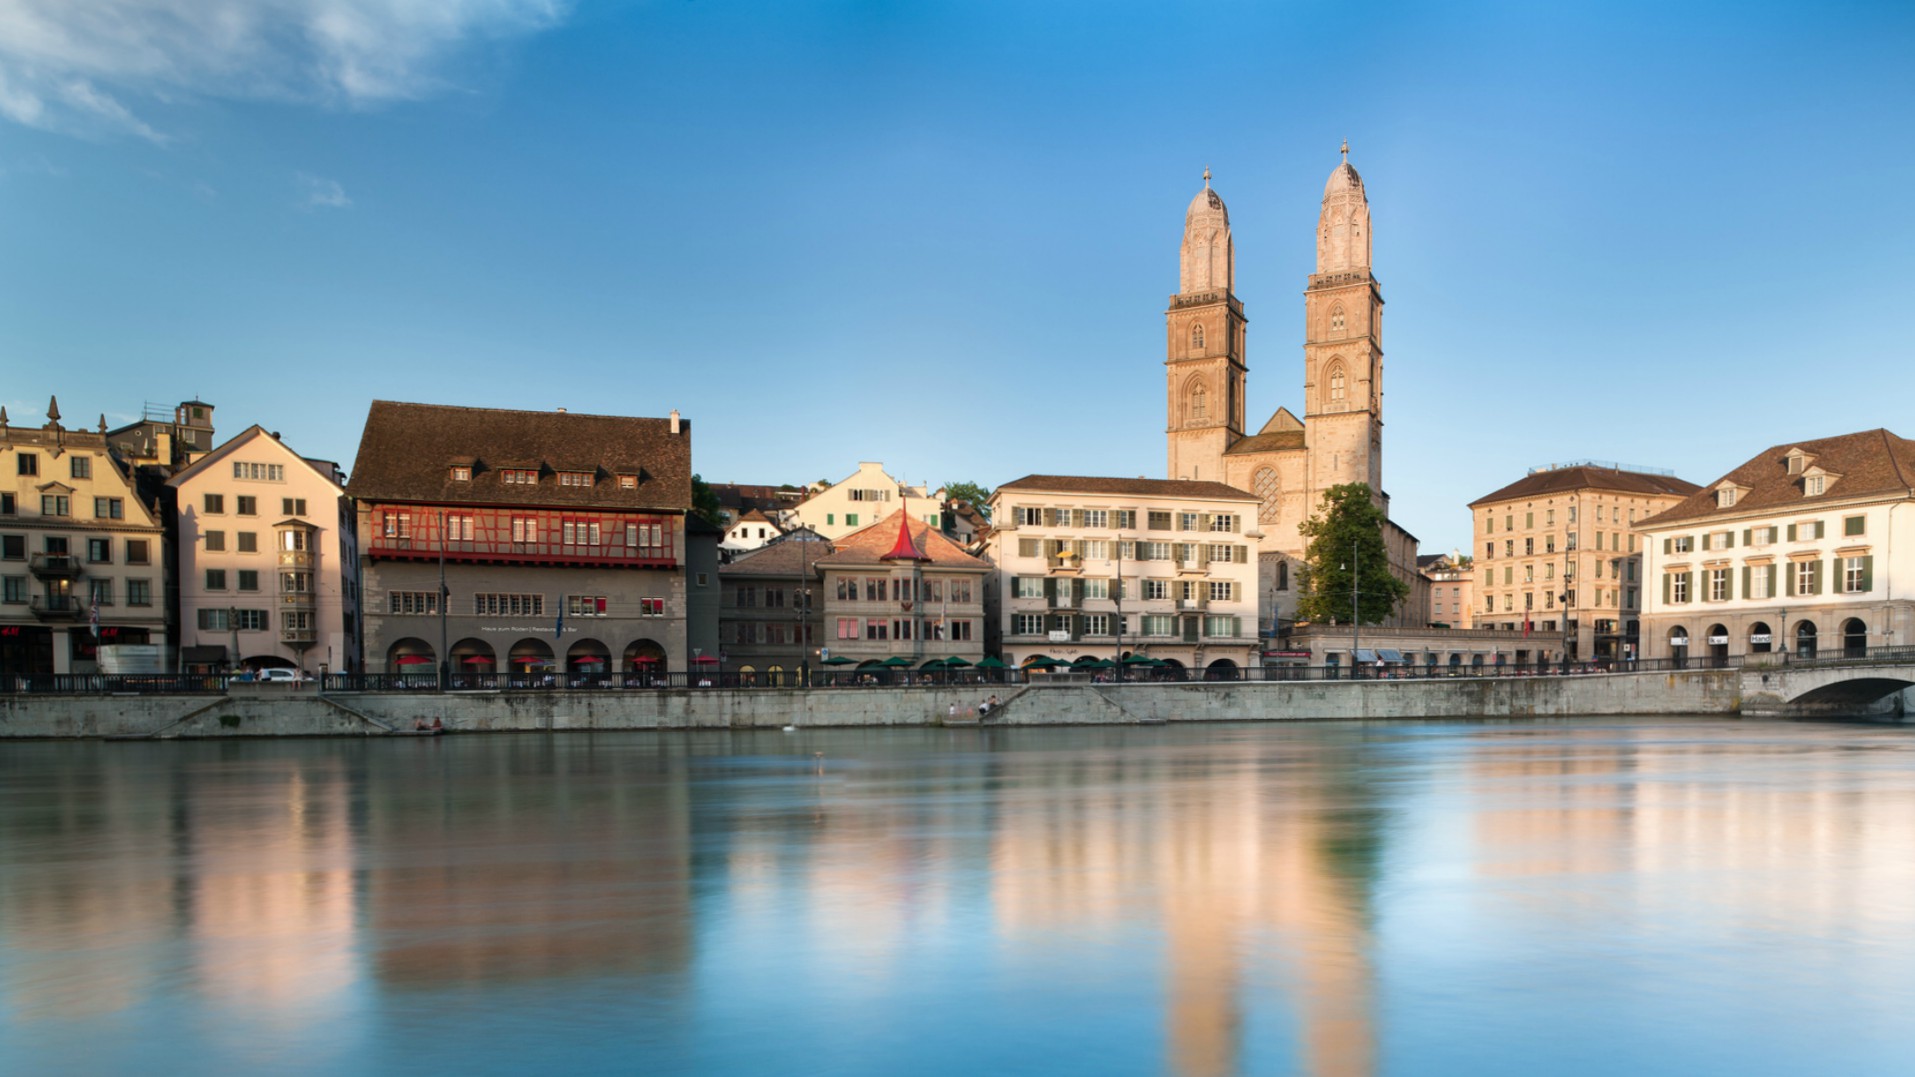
526	536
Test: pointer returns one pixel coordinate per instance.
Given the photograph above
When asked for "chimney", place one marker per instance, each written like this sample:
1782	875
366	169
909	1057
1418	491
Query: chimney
674	420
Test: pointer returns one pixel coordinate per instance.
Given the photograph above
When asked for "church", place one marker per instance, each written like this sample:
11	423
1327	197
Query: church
1289	461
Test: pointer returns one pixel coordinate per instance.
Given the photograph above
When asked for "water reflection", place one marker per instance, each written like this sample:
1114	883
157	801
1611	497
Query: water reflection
1338	899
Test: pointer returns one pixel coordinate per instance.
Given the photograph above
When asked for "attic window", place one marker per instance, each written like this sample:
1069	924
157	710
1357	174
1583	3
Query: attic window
1814	485
628	482
1725	497
1797	460
519	476
575	478
462	473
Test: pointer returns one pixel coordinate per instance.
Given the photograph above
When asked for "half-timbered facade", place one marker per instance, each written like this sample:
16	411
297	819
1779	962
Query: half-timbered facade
562	541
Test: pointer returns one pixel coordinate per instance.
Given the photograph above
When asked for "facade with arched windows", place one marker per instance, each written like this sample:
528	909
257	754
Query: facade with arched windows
1289	462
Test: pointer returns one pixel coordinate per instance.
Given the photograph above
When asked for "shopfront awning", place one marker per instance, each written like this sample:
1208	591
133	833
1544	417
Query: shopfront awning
1390	655
1364	654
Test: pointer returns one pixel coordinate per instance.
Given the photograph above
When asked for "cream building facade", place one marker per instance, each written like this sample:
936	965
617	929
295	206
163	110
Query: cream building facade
268	559
1172	563
861	499
82	553
1556	552
1805	549
1289	462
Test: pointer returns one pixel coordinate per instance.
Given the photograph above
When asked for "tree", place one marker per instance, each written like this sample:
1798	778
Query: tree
1344	548
970	491
705	503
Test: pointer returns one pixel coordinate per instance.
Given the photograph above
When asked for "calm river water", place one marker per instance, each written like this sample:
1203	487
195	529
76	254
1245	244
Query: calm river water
1685	897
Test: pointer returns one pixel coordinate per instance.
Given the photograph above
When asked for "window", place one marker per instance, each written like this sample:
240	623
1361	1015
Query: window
1814	485
292	506
1337	388
1097	518
216	579
1187	521
651	607
1682	544
519	476
139	592
1854	525
399	525
462	473
215	541
628	482
1027	624
259	472
100	592
55	505
1220	627
1124	519
900	630
248	579
1093	549
585	605
8	505
248	541
27	463
1159	624
1096	588
412	603
1725	497
1028	516
1197	335
292	620
1761	582
1158	521
575	478
136	552
960	630
508	605
525	529
1855	574
1806	573
292	539
851	519
213	504
877	629
99	551
458	527
1718	585
246	505
1679	587
1529	547
109	508
960	591
1226	522
1222	590
1096	624
295	583
1549	517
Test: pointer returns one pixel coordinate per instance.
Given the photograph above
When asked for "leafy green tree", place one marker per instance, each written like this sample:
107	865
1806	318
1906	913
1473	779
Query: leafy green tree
1344	548
705	502
976	494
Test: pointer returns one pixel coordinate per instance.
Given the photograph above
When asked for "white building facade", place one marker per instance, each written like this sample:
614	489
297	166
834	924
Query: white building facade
268	559
1808	549
862	499
1100	567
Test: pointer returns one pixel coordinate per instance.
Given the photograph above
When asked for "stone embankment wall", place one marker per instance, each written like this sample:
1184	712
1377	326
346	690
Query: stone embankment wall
277	710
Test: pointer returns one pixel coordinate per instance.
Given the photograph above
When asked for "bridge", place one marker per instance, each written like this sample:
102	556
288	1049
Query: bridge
1875	685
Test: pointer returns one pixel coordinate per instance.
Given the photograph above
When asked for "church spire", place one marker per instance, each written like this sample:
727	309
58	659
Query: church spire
1209	258
1343	227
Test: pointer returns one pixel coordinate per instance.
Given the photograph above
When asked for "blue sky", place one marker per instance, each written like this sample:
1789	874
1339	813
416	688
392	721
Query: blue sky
942	235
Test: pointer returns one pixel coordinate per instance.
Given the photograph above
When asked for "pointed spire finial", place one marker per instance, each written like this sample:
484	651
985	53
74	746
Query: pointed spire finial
103	422
1346	151
1206	177
53	408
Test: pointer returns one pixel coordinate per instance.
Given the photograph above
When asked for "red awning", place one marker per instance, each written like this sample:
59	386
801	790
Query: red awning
531	660
413	660
705	659
479	660
589	660
644	660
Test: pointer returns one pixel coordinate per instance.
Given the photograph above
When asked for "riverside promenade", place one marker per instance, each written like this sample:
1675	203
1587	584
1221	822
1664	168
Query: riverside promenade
290	710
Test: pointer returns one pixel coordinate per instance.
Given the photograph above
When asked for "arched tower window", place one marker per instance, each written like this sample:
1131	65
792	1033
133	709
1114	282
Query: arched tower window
1199	404
1197	336
1336	318
1338	383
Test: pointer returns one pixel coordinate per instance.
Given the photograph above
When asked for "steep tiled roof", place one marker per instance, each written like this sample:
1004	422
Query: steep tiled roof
1090	484
407	452
1584	477
867	546
1276	439
1869	463
789	556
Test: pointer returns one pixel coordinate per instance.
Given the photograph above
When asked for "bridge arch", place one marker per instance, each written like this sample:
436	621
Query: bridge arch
1859	693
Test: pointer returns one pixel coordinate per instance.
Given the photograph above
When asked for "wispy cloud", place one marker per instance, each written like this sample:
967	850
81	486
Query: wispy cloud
85	67
317	192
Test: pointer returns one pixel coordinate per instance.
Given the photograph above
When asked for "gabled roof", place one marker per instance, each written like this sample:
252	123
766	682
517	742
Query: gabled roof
1562	480
407	453
795	554
1871	463
1269	441
871	546
1091	484
245	437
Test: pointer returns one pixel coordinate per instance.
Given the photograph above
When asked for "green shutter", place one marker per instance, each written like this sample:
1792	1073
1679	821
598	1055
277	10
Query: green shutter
1821	528
1668	546
1771	571
1745	536
1791	532
1815	577
1788	582
1692	577
1868	572
1666	577
1835	575
1705	541
1728	539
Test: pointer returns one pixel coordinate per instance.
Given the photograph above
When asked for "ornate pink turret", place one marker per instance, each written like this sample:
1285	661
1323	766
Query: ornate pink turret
904	549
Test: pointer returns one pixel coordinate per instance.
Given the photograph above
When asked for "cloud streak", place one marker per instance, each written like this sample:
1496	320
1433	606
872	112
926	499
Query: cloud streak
317	192
89	68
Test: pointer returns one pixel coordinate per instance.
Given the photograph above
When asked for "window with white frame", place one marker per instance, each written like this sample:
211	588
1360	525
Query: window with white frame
1027	587
412	603
508	605
1030	516
1187	521
1125	519
1718	585
1159	624
1218	626
459	528
1855	575
1093	549
1223	522
585	605
1097	518
1096	588
1679	587
1096	624
1804	577
1222	590
259	472
1027	624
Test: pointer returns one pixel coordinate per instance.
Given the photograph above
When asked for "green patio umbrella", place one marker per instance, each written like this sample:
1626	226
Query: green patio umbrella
1095	663
955	662
990	661
896	661
839	660
934	663
1084	660
1042	661
1140	660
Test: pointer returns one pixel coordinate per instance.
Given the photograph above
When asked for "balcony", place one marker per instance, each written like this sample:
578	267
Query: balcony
55	607
296	559
1192	603
54	566
1195	565
296	634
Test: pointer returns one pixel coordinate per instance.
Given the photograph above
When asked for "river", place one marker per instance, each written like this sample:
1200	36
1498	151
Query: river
1522	897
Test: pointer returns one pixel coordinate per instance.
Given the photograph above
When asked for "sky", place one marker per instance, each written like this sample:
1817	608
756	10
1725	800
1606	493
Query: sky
943	235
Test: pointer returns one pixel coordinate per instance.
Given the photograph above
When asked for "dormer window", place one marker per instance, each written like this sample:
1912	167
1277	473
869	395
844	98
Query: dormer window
1798	461
575	478
628	482
462	473
1814	485
519	476
1725	497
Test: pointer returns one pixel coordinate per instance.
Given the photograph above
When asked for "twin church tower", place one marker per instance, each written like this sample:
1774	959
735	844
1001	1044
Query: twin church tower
1289	462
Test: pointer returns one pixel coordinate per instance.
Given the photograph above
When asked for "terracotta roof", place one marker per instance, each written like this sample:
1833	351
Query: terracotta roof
407	452
741	497
789	556
1564	479
869	545
1087	484
1869	463
1278	439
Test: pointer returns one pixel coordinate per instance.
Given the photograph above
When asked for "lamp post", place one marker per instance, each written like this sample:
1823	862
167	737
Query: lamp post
803	604
1117	599
445	660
